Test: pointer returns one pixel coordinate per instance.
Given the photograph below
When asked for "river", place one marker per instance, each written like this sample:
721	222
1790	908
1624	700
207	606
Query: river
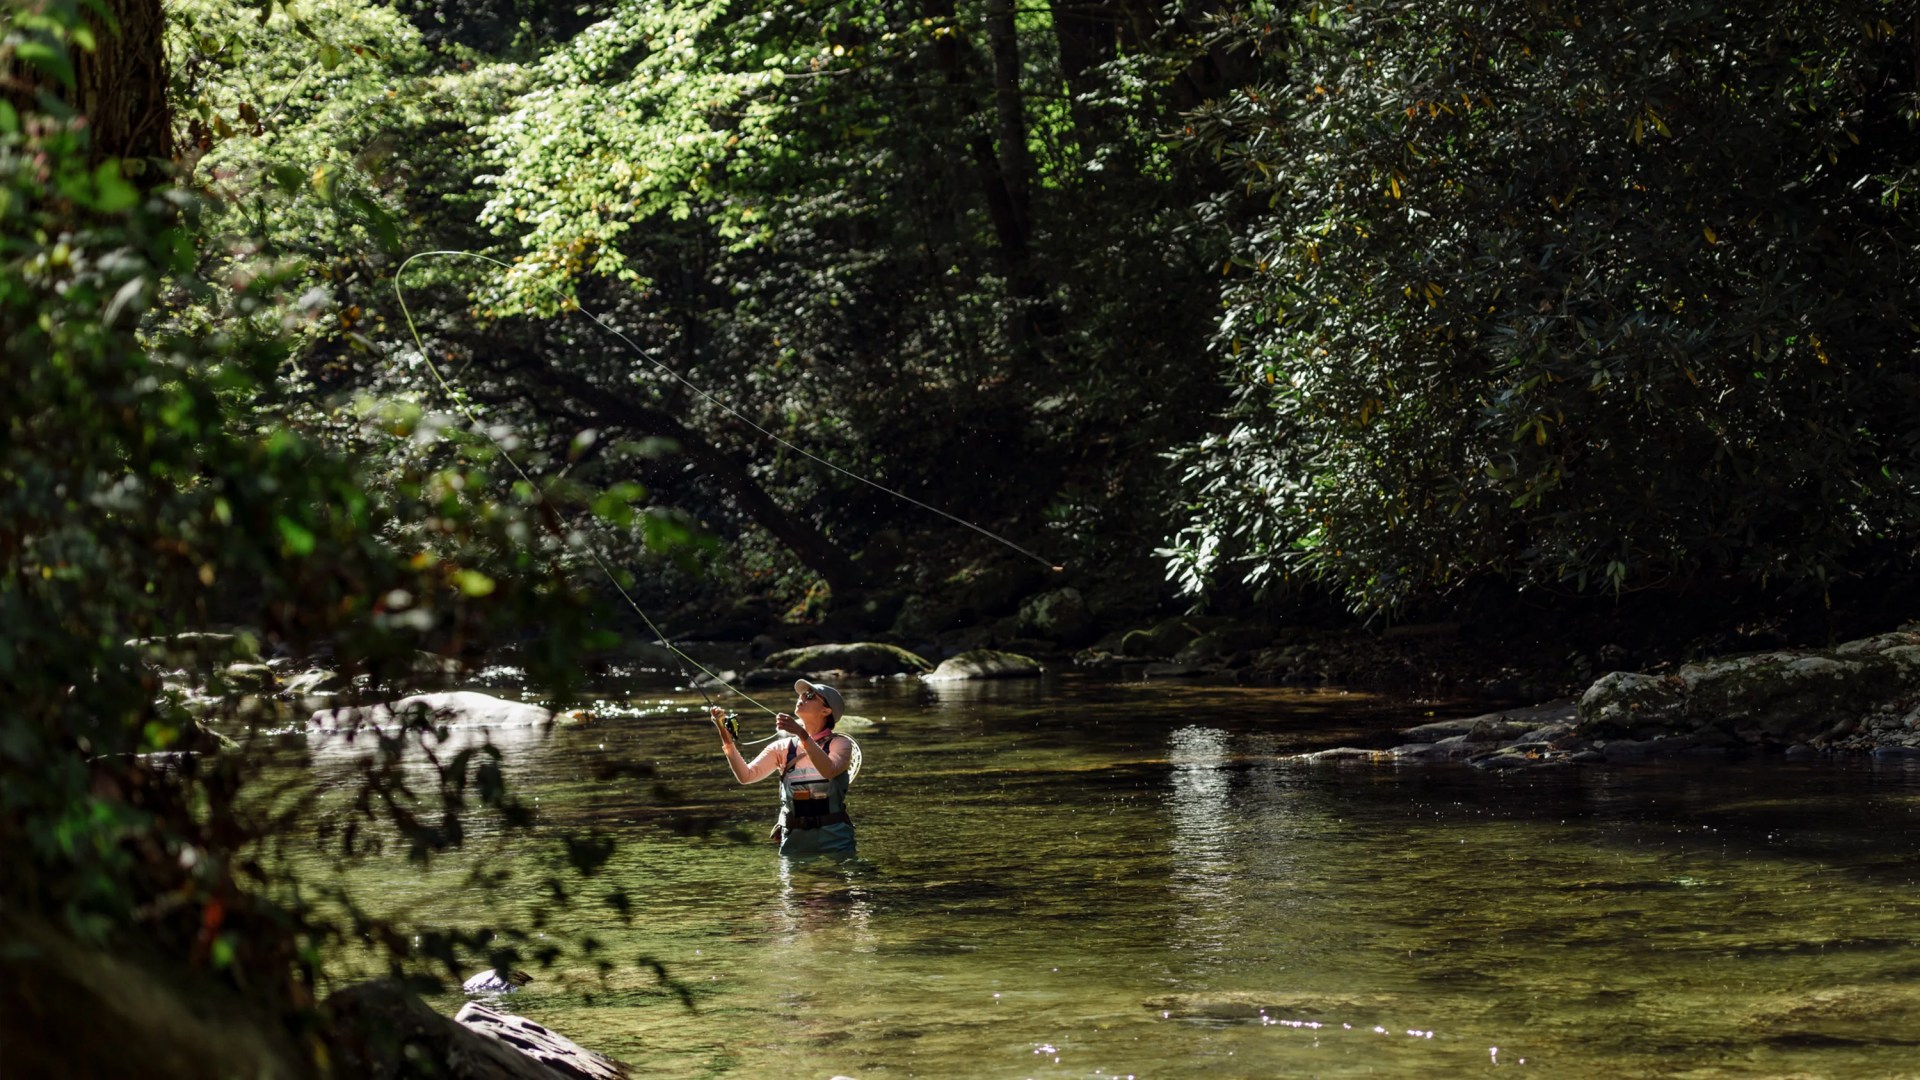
1083	877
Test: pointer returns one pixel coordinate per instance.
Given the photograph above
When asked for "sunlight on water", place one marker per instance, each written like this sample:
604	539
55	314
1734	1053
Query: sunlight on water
1079	879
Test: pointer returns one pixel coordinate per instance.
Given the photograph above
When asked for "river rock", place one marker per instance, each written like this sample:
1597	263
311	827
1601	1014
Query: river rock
859	658
248	676
756	678
1164	639
193	648
1344	753
1060	615
921	617
1769	699
1272	1004
381	1031
461	708
985	664
1222	642
1495	727
551	1049
1873	1013
994	589
313	682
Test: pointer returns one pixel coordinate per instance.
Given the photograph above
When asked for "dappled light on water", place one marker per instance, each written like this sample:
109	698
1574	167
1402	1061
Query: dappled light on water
1075	878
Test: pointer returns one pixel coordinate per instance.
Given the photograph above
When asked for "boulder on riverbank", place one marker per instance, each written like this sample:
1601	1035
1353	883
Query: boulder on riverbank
985	664
543	1045
1858	697
197	649
381	1030
459	708
754	679
858	658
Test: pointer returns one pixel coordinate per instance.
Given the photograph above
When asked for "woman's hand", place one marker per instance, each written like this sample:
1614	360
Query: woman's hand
719	717
786	722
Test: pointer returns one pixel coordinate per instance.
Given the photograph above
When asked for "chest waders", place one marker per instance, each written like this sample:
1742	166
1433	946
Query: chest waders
813	813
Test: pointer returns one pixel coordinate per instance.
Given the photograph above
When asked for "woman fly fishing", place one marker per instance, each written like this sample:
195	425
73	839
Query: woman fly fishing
813	765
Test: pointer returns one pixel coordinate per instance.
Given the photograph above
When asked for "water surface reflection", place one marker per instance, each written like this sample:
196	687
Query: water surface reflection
1078	879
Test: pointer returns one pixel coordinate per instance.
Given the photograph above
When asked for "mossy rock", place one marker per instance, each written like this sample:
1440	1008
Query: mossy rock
1223	641
197	649
253	678
1628	703
993	589
1059	615
985	664
1164	638
920	617
859	658
315	681
1780	697
868	614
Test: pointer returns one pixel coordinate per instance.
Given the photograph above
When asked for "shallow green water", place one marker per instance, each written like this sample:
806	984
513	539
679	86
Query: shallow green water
1084	879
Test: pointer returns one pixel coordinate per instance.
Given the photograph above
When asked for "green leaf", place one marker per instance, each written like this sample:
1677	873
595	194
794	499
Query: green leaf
612	509
474	583
49	57
9	118
330	56
112	192
386	232
288	178
298	538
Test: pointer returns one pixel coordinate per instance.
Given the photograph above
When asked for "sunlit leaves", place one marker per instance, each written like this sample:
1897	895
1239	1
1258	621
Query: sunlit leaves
1533	305
590	153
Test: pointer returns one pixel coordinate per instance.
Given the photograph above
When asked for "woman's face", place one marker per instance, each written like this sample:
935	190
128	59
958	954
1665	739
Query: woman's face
811	708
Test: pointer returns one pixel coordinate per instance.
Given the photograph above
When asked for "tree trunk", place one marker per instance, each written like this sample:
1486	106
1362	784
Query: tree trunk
120	87
1087	33
1005	168
1009	107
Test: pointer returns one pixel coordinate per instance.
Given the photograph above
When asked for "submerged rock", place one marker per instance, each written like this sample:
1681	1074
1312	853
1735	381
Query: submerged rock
985	664
1873	1013
1270	1004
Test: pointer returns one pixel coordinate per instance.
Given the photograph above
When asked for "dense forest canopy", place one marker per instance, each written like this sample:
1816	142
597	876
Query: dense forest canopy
1609	299
1211	301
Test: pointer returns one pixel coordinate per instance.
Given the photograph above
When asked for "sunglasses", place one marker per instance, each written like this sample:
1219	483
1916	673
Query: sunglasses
809	695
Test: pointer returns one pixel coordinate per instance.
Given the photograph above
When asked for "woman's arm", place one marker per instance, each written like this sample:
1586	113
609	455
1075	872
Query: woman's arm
828	763
759	769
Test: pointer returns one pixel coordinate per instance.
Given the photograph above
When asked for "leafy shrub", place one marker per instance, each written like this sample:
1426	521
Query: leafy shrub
1608	299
